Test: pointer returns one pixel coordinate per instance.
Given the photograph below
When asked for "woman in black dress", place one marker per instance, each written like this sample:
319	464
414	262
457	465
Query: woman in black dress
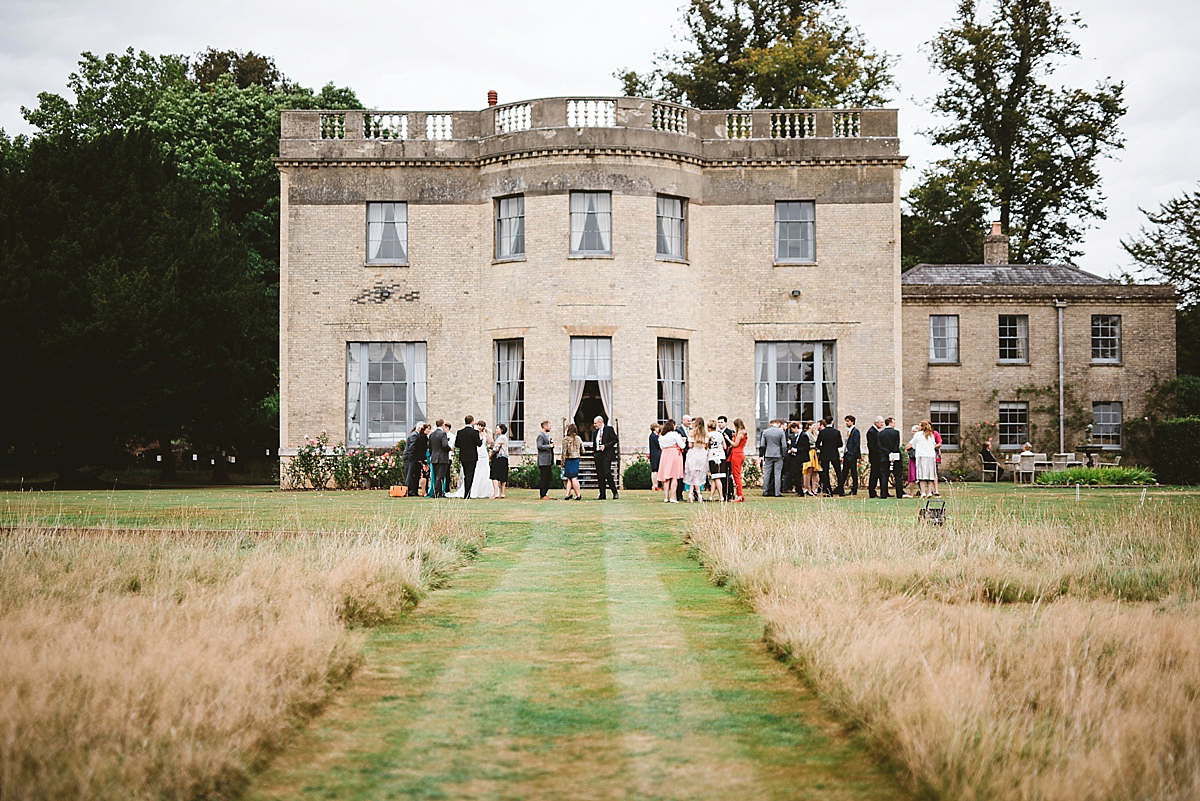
655	456
500	461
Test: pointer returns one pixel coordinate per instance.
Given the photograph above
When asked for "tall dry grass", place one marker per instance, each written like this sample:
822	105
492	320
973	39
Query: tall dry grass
996	658
165	664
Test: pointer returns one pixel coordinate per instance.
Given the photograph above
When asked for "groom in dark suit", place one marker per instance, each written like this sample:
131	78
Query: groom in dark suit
607	449
467	441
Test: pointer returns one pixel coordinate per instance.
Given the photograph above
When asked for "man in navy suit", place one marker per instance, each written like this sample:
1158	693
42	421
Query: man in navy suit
829	443
850	457
877	460
607	449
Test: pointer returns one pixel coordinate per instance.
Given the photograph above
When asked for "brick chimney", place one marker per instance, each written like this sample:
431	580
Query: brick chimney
493	98
995	246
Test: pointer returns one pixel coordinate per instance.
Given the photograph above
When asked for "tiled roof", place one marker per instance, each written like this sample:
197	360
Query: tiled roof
998	274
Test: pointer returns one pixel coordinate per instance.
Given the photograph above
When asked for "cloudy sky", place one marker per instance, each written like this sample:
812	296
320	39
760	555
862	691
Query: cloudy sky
414	55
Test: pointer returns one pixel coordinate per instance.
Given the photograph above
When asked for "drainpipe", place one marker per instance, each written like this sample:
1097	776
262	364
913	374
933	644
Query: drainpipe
1059	305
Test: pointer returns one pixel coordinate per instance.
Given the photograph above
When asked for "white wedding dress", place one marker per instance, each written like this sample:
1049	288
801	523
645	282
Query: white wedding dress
481	487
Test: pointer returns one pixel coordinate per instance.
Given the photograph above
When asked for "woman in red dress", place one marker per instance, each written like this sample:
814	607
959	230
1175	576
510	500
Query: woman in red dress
737	456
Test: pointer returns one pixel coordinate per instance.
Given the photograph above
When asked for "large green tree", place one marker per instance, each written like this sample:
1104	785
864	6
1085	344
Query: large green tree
766	54
213	125
943	220
131	312
1021	145
1168	249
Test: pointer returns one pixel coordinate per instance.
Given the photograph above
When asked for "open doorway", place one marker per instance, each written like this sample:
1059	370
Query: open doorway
590	406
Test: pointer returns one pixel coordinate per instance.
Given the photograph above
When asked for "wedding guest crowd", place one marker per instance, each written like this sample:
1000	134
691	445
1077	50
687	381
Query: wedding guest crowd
687	459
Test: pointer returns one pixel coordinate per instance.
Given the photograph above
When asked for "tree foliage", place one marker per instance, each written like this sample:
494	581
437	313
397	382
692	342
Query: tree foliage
766	54
1031	148
1169	249
149	278
130	309
944	219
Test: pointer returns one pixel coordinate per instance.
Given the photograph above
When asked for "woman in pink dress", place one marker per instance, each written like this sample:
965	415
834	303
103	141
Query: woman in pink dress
670	464
695	467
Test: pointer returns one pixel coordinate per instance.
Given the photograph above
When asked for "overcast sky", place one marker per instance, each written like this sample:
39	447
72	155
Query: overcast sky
408	55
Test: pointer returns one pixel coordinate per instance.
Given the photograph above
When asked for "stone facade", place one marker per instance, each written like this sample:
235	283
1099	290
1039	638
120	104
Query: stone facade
979	380
727	294
452	294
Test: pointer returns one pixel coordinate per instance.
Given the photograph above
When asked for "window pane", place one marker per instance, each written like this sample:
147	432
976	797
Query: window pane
510	386
1106	338
944	417
1106	423
510	227
670	227
1013	424
393	394
943	338
787	383
591	223
795	231
387	232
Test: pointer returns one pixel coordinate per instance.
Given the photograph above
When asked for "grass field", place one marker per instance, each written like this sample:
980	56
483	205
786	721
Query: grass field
1026	652
583	655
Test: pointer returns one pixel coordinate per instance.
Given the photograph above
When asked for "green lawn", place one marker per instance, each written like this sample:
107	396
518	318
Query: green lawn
582	655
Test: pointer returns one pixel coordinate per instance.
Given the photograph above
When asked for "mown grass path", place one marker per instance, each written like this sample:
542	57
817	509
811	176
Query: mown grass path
582	656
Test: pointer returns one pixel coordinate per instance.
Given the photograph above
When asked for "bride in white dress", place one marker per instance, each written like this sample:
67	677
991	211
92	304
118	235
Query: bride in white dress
481	486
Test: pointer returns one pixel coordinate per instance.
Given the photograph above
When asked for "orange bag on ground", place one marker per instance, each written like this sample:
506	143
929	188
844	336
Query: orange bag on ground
398	491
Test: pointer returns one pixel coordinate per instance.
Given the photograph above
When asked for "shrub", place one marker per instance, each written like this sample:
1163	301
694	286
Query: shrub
351	468
1174	450
312	466
637	474
387	467
527	476
1096	476
751	474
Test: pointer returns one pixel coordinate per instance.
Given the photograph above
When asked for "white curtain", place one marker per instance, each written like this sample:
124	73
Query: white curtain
670	374
417	373
387	231
591	222
591	360
353	392
510	356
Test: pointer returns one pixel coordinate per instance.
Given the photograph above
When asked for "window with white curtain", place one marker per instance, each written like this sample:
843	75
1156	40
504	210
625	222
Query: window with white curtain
1014	338
943	338
387	233
672	379
672	228
591	223
591	360
510	227
795	231
794	381
510	386
385	391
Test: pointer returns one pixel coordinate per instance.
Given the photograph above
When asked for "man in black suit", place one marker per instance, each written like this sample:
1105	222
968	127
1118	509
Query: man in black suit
414	457
607	449
850	456
877	459
889	442
439	457
467	441
726	466
829	446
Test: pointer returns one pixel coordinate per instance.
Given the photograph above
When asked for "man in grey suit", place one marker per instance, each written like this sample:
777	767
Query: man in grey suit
439	457
772	441
545	459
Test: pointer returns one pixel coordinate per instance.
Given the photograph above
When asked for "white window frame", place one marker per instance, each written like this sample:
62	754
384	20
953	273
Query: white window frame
378	223
795	232
367	409
509	374
1107	417
1012	331
590	209
820	392
941	411
943	343
674	352
1106	339
671	228
510	228
1012	435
